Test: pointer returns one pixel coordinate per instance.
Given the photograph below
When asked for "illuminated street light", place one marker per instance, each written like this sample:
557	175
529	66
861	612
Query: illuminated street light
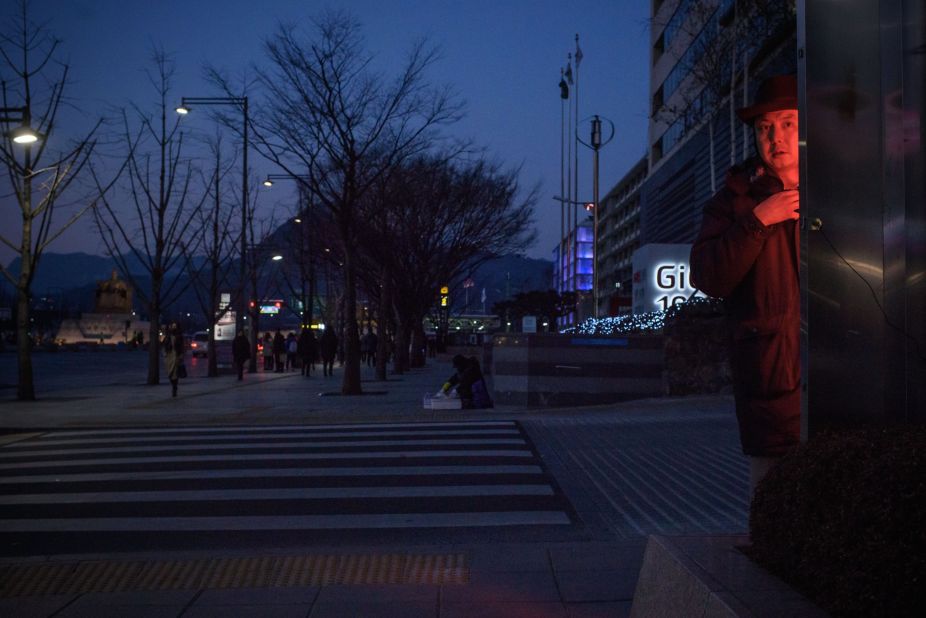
182	110
24	134
277	258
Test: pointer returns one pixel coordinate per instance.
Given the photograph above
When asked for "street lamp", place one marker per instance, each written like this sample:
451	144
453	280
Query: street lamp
308	305
596	144
24	134
186	105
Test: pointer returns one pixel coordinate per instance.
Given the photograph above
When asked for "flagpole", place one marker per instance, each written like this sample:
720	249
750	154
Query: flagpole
570	240
575	187
562	180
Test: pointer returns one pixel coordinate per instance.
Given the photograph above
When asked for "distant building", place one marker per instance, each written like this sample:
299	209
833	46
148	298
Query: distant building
112	320
573	271
618	238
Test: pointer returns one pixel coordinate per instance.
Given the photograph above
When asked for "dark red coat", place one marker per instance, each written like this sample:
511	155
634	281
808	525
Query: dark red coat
755	269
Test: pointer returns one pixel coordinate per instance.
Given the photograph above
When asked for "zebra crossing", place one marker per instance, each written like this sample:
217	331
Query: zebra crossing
467	474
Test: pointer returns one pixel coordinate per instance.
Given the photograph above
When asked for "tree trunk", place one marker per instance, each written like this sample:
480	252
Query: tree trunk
154	346
382	340
213	360
419	344
25	387
351	381
402	337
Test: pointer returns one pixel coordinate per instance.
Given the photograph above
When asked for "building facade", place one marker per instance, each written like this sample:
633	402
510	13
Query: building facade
618	238
572	269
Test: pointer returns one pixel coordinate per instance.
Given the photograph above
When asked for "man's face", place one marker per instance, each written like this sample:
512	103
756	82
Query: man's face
776	140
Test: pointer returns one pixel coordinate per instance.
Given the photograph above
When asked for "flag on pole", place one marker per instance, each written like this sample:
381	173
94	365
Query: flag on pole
578	52
563	87
483	296
569	72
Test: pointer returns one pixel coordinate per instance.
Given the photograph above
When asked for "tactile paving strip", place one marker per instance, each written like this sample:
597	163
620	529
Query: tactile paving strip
43	579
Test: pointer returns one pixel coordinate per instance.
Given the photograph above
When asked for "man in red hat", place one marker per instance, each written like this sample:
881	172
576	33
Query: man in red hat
748	254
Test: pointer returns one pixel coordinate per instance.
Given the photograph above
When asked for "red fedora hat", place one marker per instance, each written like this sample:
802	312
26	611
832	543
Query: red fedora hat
775	94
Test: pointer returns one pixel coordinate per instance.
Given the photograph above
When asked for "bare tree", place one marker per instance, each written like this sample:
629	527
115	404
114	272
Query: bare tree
328	115
449	217
209	259
32	90
728	42
160	192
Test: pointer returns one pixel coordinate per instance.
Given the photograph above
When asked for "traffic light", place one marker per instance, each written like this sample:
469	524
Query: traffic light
444	296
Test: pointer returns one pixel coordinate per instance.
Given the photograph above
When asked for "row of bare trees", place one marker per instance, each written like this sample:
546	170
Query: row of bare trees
407	210
402	209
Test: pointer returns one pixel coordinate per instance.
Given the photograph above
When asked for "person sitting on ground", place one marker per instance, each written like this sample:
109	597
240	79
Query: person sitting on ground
470	384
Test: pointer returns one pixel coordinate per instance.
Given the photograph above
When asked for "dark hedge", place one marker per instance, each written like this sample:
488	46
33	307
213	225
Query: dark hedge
843	520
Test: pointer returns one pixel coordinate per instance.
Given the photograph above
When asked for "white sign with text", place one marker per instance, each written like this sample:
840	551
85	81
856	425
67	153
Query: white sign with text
661	277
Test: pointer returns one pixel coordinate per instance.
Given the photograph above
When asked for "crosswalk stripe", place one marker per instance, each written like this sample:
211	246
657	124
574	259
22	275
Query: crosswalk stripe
273	473
313	522
197	473
280	494
266	436
275	457
256	446
257	428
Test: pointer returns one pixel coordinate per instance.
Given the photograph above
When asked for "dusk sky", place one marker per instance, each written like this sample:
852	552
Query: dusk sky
502	56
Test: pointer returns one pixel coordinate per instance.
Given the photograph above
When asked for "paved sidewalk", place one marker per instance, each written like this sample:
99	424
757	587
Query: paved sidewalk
666	465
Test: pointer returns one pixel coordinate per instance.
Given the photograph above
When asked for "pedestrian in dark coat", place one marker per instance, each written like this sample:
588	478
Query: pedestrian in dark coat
173	356
329	349
241	352
279	349
748	254
307	348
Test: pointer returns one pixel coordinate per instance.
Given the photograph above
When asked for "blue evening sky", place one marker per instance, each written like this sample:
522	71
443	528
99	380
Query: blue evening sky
502	56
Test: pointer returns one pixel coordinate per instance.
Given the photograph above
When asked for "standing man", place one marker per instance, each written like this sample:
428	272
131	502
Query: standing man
241	352
329	349
748	254
279	349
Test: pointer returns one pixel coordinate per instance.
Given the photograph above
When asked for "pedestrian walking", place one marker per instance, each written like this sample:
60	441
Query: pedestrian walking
173	356
748	254
307	349
267	352
291	351
241	352
329	350
369	343
279	349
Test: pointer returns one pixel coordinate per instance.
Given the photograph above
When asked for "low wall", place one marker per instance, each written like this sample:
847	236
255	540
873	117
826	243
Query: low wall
710	576
561	370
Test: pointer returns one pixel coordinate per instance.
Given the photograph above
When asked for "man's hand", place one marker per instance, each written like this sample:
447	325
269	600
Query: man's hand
779	207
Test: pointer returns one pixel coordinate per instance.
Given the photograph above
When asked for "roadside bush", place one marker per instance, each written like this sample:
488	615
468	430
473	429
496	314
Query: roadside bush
842	520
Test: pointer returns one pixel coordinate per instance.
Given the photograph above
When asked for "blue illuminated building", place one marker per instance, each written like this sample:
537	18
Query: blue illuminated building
573	273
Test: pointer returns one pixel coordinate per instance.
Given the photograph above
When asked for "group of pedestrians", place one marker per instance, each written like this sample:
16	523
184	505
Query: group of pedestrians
284	353
280	353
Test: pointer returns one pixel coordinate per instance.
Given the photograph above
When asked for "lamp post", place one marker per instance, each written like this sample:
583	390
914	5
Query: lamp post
596	144
24	134
308	306
188	103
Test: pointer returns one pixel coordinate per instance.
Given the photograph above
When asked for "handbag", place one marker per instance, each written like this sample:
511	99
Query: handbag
181	370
